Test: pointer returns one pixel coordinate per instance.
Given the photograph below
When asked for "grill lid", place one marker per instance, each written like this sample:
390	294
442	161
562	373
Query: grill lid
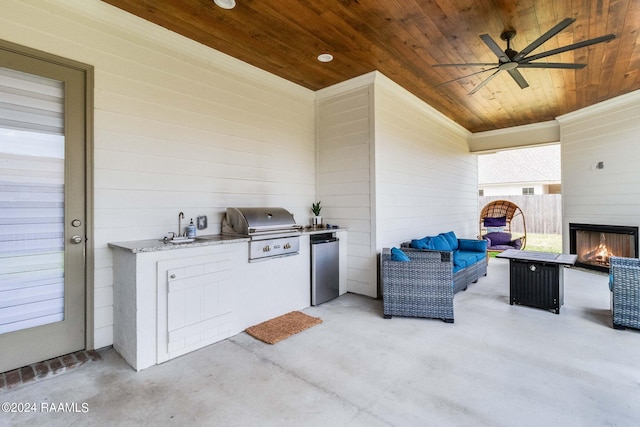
251	221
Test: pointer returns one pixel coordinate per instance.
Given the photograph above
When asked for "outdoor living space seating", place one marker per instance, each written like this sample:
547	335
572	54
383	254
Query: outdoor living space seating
496	220
421	278
400	370
624	283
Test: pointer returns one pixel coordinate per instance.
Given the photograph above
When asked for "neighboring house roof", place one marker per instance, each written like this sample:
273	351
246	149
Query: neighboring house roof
535	164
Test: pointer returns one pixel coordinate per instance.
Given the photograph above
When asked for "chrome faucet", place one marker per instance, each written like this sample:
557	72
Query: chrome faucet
180	217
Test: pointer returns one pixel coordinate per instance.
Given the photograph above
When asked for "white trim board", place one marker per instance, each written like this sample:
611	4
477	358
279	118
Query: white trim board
515	137
604	107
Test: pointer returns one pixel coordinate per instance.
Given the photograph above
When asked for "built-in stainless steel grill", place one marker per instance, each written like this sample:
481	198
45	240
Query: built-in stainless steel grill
273	231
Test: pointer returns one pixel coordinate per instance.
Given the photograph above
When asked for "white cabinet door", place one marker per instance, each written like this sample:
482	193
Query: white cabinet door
194	303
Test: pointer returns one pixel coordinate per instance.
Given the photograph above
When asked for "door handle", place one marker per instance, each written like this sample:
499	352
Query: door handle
76	239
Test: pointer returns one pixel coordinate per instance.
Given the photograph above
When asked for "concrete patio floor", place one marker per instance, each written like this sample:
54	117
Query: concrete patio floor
497	365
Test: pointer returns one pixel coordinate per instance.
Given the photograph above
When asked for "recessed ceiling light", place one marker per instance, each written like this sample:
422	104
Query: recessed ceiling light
325	57
225	4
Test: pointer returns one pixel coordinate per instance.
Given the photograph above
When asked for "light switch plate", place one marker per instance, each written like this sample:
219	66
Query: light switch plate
201	222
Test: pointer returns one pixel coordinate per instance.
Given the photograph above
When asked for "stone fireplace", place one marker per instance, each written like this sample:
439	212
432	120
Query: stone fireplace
594	244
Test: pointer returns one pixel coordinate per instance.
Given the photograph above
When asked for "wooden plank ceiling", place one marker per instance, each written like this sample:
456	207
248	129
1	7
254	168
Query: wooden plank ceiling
403	39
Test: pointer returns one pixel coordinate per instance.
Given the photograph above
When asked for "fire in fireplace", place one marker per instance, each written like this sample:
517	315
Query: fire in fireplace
595	244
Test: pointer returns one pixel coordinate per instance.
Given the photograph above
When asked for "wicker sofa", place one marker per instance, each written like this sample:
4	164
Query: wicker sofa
425	286
624	284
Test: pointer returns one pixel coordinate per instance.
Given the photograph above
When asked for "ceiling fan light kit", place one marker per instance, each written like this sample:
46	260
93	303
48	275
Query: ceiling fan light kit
510	60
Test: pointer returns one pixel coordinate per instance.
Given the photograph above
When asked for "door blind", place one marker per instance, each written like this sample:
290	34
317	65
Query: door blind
31	200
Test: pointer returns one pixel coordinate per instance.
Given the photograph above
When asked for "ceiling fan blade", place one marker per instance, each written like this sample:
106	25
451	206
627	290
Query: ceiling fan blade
519	78
486	38
543	38
551	65
467	64
464	77
570	47
484	82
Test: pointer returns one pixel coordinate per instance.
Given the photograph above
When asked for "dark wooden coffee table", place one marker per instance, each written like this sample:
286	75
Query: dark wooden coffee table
536	279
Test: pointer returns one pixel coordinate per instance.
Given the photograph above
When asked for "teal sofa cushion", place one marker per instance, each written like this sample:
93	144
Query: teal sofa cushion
451	239
459	261
472	245
456	268
435	243
611	281
465	259
440	243
398	255
421	243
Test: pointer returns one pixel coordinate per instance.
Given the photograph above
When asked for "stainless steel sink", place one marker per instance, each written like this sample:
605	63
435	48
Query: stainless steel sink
207	238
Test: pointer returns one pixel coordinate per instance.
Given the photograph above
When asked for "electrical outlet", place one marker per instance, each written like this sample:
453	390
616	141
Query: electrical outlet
201	222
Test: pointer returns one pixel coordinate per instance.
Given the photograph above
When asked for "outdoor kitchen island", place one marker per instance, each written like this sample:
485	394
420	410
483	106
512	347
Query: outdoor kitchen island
170	299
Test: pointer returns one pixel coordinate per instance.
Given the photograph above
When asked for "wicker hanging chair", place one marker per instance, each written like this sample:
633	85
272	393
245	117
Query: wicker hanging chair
512	215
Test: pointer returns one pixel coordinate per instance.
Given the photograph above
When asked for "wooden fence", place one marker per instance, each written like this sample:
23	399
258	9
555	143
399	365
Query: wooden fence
543	212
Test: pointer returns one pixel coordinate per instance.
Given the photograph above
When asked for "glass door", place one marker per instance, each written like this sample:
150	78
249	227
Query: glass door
42	210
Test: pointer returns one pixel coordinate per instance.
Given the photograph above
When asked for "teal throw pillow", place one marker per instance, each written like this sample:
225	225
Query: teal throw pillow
473	245
452	239
421	243
611	281
398	255
440	243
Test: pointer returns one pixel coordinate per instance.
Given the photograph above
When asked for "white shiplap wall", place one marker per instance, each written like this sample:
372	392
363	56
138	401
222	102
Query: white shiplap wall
390	169
178	127
607	132
426	180
345	177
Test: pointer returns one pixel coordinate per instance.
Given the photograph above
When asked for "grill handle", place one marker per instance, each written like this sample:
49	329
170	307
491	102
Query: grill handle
267	229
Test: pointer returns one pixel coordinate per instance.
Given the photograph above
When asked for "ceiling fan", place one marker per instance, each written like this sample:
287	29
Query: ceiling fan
509	60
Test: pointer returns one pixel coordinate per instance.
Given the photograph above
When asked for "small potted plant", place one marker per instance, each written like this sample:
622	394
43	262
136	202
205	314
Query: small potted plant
316	208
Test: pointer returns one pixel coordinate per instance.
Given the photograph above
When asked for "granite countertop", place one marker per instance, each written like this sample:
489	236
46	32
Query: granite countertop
155	245
316	230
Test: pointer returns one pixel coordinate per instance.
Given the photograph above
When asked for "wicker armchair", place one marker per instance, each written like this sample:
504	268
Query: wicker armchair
625	285
420	288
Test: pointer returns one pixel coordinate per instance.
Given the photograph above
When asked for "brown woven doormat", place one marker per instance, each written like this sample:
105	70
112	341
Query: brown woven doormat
282	327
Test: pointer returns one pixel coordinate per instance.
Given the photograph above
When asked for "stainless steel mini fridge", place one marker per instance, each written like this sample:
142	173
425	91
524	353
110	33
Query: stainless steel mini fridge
325	276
